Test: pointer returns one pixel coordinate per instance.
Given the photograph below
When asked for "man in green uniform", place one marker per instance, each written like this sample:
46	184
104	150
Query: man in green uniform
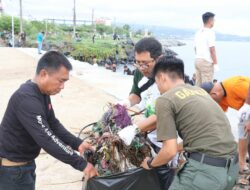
210	148
143	94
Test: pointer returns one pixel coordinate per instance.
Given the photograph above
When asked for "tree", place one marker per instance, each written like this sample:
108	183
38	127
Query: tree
139	32
101	29
126	27
6	24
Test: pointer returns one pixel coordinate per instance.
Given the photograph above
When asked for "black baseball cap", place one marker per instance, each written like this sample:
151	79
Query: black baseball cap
208	86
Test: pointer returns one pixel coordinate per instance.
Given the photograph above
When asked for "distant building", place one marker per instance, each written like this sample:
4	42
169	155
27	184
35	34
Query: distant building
104	21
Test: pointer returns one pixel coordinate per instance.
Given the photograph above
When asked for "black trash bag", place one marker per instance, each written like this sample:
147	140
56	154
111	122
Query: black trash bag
134	179
165	175
164	172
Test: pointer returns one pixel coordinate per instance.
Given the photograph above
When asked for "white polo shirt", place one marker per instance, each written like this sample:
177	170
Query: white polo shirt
204	39
148	99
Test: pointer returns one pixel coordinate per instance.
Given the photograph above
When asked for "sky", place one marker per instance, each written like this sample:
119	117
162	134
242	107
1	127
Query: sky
232	17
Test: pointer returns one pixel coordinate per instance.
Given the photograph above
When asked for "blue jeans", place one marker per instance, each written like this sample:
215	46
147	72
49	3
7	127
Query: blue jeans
18	177
39	47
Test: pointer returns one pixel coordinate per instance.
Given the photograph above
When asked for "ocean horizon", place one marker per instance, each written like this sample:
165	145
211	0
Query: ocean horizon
233	58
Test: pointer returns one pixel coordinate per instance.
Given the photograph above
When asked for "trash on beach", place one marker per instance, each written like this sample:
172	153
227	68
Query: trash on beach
112	155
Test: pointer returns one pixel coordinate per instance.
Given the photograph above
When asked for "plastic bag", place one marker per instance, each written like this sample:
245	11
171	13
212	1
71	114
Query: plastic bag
134	179
165	175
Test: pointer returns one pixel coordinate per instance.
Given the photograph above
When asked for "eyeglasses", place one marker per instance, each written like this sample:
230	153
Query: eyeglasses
143	64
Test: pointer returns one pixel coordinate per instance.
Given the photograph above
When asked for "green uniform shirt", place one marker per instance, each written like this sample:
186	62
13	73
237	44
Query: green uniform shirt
137	77
199	120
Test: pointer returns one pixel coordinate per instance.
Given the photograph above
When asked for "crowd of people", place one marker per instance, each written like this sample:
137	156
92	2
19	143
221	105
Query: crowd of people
6	39
213	160
174	110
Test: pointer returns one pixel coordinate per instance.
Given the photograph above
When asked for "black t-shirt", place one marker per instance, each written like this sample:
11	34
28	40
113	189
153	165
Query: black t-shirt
29	124
137	77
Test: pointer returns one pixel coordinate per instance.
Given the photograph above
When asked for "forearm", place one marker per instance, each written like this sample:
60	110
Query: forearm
64	134
148	124
162	158
213	55
167	153
134	99
68	138
42	134
180	147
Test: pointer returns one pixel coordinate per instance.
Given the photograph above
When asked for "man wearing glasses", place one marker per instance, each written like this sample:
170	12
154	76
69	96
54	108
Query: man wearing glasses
143	94
144	90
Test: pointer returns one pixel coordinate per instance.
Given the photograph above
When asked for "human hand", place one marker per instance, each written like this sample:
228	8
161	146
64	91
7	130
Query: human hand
247	128
144	163
90	171
216	68
84	146
127	134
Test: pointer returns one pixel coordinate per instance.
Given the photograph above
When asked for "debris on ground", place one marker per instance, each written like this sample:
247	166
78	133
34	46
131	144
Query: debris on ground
112	155
243	182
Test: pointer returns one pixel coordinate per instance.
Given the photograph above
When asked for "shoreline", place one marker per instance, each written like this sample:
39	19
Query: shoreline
98	77
81	102
115	84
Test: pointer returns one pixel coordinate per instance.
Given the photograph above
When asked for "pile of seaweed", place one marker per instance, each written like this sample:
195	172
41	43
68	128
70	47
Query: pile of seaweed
112	155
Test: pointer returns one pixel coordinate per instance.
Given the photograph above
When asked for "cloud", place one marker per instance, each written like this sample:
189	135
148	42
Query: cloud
231	16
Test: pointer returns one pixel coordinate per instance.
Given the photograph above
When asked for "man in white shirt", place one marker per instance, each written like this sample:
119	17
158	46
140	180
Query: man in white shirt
143	94
205	53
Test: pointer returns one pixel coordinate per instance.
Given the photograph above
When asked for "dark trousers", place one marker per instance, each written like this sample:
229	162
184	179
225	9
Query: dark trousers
165	173
18	177
166	176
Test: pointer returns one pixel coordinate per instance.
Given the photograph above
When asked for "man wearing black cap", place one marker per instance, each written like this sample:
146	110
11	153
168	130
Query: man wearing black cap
234	92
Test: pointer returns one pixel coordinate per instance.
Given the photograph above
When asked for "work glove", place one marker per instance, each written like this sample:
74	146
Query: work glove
244	112
128	133
126	103
216	68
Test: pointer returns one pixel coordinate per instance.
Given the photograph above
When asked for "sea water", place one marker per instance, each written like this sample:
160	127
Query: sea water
233	58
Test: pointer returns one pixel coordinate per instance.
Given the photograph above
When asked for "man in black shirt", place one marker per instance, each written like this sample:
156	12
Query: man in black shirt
29	124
